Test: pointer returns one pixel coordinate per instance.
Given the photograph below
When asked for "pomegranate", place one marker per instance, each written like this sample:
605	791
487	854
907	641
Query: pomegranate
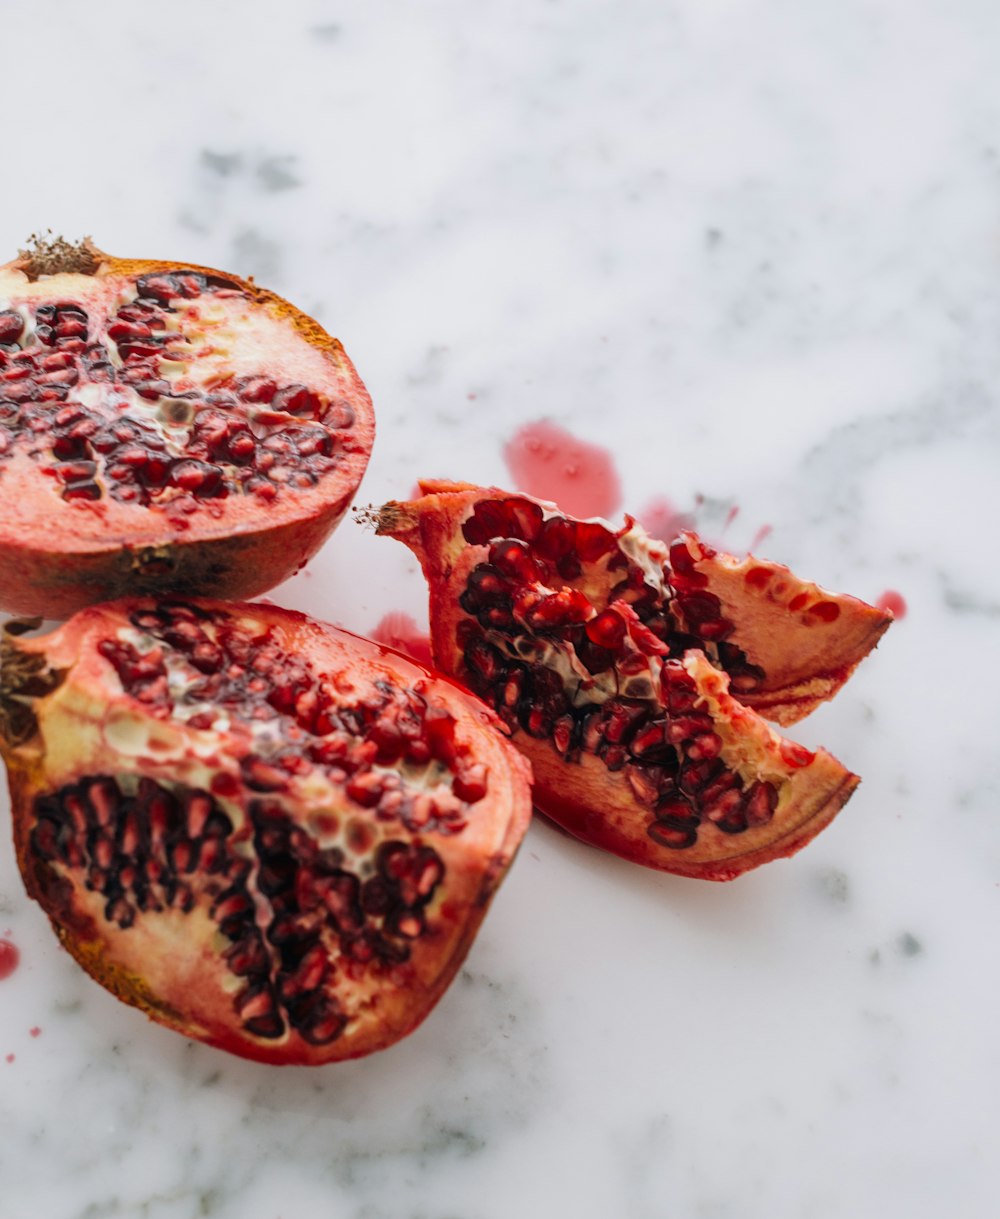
266	833
164	428
631	674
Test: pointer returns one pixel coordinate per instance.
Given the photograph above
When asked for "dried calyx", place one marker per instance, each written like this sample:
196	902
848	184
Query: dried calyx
269	835
629	672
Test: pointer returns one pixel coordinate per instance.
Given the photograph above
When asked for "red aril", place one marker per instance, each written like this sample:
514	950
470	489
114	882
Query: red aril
268	834
630	673
164	428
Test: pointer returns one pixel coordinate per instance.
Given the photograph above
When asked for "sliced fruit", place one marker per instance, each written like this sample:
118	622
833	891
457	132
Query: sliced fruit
267	834
164	428
610	657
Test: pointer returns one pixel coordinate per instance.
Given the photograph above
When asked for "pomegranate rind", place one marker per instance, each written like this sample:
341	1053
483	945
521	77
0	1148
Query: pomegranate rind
807	639
595	803
57	556
592	803
168	963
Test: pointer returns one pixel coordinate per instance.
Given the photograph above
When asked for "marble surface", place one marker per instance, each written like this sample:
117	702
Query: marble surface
754	250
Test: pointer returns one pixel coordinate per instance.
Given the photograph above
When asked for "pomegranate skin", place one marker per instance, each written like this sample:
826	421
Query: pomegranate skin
633	675
267	834
117	470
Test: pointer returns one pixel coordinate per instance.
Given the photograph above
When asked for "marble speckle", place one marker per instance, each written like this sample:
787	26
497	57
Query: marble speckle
835	886
225	164
328	32
277	173
257	255
909	945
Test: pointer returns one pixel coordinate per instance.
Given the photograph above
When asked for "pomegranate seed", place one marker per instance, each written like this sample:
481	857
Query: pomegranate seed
704	747
567	607
685	727
562	734
470	784
73	471
719	628
650	739
296	400
644	782
724	807
82	490
607	630
682	560
339	416
677	837
11	326
795	755
699	607
761	801
256	389
513	558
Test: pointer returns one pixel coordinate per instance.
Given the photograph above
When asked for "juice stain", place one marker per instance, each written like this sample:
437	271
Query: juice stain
663	520
400	631
893	602
551	463
9	959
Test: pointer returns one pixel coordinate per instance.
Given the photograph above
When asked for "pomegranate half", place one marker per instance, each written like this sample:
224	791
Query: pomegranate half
164	428
266	833
628	672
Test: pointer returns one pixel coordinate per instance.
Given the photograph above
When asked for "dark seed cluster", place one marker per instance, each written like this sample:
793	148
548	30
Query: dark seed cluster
248	435
286	908
523	598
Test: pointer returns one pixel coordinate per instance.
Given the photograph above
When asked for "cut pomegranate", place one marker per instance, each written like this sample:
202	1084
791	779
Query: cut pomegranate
164	428
268	834
621	668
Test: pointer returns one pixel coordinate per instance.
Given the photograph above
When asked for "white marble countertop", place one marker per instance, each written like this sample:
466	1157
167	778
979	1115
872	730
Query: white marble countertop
752	249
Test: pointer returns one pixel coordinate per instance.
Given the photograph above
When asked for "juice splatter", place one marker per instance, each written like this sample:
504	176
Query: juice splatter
893	602
35	1032
663	520
549	462
400	631
9	959
761	535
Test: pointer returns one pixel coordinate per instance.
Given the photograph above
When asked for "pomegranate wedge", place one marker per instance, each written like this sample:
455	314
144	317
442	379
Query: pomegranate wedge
164	428
627	672
267	834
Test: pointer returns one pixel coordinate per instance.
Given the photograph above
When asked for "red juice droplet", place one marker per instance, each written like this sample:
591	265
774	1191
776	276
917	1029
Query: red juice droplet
9	959
546	461
401	632
10	1057
35	1032
893	602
